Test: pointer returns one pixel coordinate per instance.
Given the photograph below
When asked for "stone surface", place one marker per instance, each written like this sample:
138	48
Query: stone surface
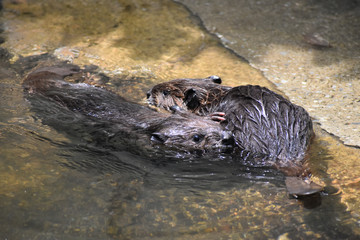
309	49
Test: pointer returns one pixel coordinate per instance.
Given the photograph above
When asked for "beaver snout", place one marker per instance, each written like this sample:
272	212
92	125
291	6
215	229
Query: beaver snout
227	138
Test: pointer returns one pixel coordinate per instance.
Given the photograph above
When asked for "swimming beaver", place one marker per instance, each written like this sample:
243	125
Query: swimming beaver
265	125
123	118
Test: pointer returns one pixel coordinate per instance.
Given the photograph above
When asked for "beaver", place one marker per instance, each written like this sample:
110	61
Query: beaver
265	125
200	96
122	118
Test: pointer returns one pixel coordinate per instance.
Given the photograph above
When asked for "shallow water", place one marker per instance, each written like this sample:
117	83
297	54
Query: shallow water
58	186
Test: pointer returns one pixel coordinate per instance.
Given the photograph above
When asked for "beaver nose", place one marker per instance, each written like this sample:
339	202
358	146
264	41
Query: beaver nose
148	95
227	138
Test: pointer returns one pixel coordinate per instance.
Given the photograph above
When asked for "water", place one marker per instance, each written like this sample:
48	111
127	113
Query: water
60	186
55	185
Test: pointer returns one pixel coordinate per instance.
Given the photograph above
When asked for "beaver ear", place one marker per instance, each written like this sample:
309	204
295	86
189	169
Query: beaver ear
215	79
191	99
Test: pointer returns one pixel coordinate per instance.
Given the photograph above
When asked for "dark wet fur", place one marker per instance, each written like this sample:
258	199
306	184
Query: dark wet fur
265	125
200	96
119	119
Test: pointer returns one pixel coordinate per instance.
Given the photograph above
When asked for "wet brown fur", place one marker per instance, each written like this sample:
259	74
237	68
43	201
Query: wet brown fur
200	96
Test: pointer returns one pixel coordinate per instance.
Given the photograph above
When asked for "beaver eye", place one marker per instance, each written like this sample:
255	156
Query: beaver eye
197	138
166	92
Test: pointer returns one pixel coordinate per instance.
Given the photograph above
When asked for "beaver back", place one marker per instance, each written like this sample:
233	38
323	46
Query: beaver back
265	122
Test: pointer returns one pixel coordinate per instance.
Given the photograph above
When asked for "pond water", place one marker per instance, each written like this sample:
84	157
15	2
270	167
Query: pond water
55	185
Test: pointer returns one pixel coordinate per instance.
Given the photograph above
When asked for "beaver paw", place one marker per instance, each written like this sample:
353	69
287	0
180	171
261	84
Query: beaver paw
218	116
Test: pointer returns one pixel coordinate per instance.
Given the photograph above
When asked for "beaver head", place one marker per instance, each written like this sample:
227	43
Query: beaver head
192	134
195	95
